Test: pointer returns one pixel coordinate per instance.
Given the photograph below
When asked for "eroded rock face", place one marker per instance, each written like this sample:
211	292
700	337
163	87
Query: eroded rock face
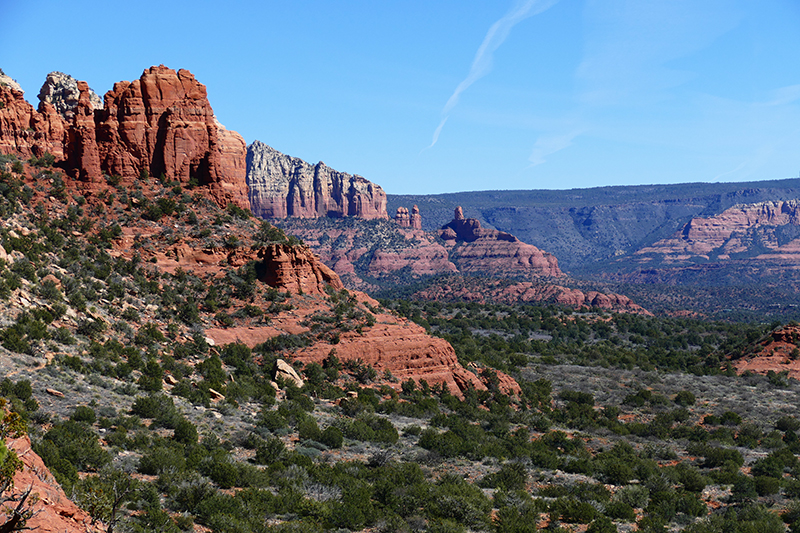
777	353
61	91
160	124
746	243
26	132
282	186
477	250
406	220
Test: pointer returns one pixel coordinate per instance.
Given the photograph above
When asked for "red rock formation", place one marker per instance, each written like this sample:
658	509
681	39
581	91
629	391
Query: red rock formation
423	261
282	186
404	220
415	220
343	247
160	124
408	352
730	232
83	157
295	269
54	512
485	251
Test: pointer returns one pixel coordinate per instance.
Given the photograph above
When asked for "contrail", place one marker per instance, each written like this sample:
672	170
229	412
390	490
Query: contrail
436	134
482	63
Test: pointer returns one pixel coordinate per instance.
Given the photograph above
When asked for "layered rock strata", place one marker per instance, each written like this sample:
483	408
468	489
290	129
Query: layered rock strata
295	269
406	351
282	186
502	291
160	125
734	231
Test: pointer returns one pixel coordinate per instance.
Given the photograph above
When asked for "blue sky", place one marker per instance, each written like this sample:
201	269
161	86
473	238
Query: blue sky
428	97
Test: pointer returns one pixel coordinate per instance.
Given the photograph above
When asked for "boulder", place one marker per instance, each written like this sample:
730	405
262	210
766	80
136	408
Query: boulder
285	371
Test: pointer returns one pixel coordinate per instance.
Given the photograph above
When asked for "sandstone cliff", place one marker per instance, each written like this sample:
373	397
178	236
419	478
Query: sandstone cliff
26	132
283	186
159	125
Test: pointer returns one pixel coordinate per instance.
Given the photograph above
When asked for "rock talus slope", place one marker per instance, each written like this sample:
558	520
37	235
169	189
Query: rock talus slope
282	186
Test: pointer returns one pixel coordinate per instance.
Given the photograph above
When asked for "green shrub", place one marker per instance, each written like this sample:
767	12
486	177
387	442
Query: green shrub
185	432
84	413
685	398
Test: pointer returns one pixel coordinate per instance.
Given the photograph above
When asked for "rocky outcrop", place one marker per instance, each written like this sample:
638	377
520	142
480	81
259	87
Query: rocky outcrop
53	511
508	292
163	124
778	352
61	91
365	251
8	81
406	351
159	125
585	228
295	269
404	220
282	186
484	251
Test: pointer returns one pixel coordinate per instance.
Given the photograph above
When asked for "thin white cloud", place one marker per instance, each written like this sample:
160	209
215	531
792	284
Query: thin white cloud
784	95
484	58
550	144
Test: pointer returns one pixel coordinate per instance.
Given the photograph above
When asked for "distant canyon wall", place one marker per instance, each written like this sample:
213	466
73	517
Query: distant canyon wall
282	186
